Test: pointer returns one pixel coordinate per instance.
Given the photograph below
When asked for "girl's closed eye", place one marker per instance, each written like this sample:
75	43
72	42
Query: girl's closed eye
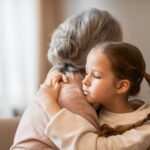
97	75
94	74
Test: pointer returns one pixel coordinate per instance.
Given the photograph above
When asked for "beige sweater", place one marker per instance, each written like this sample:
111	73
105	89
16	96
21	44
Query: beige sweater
72	132
30	134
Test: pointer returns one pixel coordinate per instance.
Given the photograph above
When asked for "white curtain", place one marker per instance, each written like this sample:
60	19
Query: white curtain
19	32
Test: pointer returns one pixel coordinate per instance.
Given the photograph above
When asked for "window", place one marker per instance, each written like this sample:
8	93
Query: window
19	30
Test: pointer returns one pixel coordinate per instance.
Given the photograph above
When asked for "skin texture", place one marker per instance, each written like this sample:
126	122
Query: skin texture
100	84
48	96
99	79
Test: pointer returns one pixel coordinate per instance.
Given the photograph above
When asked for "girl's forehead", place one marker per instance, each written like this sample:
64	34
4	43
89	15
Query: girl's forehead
97	57
95	53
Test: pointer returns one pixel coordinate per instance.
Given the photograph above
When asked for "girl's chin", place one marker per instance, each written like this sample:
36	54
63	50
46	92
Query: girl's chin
89	100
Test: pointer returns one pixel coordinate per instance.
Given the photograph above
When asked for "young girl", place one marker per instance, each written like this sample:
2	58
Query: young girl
114	71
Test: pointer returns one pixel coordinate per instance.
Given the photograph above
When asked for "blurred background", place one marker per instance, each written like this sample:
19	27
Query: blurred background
26	27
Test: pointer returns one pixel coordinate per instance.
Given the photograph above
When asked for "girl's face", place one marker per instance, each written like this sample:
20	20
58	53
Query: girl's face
99	82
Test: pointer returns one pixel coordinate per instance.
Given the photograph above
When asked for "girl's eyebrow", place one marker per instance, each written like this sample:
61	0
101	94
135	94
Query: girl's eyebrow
95	70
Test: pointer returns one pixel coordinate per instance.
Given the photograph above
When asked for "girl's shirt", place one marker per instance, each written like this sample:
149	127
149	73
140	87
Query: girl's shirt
70	131
115	119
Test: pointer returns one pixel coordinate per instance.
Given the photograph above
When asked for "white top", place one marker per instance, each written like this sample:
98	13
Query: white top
72	132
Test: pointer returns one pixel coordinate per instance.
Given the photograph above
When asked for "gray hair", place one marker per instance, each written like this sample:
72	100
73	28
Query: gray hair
73	39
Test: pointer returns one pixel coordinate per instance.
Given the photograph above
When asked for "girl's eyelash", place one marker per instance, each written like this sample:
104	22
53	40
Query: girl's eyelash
97	77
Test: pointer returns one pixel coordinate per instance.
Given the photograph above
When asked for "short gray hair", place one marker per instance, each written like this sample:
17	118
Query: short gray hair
73	39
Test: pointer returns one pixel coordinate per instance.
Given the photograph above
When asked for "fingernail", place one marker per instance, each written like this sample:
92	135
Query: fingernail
66	80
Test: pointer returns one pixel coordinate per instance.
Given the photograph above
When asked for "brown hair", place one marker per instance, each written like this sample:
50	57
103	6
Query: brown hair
127	63
74	38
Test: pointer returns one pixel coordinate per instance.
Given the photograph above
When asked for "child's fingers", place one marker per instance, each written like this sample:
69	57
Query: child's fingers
50	77
65	78
57	86
50	81
57	78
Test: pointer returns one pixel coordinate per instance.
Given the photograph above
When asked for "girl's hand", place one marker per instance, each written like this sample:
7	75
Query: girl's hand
47	97
55	76
50	93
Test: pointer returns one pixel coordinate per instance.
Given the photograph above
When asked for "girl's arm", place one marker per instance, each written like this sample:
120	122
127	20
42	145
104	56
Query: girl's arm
47	97
48	94
72	132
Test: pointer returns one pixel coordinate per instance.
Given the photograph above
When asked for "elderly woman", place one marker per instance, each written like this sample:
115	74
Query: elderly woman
69	47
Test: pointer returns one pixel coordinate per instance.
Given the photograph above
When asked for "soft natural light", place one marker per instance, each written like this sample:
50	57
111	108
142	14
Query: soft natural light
19	54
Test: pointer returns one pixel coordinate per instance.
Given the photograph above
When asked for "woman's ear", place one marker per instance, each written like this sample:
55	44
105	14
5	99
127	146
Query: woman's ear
123	86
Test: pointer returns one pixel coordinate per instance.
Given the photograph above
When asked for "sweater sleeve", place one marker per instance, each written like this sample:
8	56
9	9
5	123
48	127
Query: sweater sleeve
70	131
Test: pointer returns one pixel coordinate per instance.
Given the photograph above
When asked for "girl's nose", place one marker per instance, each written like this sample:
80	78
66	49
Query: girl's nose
86	81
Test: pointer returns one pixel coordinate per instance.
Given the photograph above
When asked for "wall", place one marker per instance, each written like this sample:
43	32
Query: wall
47	23
133	16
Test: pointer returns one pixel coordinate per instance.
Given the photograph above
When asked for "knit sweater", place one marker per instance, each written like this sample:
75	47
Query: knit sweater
70	131
30	134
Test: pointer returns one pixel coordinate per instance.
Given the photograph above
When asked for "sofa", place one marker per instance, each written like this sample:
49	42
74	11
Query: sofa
8	128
